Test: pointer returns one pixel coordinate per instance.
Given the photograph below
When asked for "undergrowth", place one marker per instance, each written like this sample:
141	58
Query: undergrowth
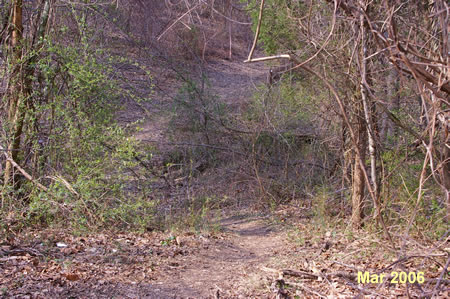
94	172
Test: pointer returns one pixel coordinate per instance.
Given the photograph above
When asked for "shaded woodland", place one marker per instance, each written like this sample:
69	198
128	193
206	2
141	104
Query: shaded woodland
125	118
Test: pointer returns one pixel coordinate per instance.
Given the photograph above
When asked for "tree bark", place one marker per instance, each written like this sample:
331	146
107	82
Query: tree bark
16	96
21	80
388	130
358	185
445	170
367	110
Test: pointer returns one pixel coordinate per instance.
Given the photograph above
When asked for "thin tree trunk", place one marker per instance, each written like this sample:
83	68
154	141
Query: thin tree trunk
388	129
440	29
16	96
230	28
367	112
358	185
445	172
19	102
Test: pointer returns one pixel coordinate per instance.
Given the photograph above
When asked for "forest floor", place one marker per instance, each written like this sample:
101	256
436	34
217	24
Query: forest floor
283	254
246	256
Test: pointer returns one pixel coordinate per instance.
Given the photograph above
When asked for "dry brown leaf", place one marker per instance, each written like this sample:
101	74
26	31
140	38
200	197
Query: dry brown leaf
71	276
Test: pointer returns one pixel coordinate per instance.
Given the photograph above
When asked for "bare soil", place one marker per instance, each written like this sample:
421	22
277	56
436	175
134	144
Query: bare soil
227	263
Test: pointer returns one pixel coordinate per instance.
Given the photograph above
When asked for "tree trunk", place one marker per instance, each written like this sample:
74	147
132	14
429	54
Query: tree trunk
368	111
358	184
16	98
21	80
445	171
388	130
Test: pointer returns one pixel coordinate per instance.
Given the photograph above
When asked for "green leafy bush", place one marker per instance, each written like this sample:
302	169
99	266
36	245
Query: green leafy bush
89	163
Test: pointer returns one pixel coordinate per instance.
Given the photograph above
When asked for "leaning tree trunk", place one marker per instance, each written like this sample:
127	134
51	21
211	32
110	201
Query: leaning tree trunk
367	110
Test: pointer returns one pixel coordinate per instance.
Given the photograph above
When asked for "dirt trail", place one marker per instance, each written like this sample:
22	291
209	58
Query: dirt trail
224	265
232	82
151	265
228	265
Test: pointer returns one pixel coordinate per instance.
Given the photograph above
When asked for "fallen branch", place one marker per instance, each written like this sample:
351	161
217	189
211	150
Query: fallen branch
21	251
268	58
22	171
297	273
281	281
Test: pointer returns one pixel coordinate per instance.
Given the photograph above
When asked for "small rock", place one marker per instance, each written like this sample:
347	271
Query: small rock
61	245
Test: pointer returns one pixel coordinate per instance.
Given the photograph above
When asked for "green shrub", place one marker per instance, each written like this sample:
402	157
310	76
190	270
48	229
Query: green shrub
85	158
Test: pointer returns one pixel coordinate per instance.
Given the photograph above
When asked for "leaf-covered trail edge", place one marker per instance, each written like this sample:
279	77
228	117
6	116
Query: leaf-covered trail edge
237	261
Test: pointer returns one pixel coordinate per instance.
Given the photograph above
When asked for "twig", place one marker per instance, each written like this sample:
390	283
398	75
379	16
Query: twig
229	19
301	286
177	20
333	25
436	288
401	261
365	291
65	183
